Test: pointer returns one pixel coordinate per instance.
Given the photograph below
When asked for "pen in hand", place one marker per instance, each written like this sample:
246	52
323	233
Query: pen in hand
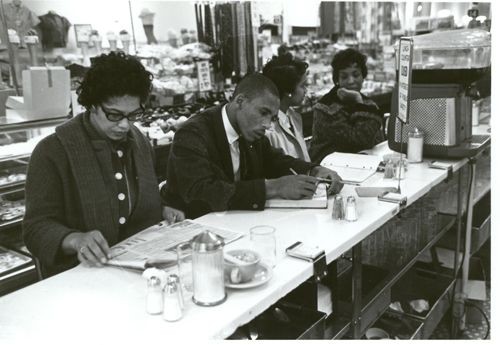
326	180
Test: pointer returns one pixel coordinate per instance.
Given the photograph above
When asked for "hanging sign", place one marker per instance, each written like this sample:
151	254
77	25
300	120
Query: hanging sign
404	84
204	80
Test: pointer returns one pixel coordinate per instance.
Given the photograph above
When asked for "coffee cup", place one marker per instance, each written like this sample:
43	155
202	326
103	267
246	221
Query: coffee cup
240	265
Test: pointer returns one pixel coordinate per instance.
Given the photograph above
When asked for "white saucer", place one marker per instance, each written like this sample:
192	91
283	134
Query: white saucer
263	274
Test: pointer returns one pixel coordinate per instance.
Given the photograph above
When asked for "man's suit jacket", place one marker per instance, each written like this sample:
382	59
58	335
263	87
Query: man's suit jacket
200	172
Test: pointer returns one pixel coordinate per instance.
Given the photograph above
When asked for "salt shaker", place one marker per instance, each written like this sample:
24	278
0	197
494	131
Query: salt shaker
154	299
338	207
415	145
351	215
399	170
389	169
174	278
208	269
172	310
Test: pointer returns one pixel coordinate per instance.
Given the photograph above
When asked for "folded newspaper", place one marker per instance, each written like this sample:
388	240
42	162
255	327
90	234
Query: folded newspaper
156	246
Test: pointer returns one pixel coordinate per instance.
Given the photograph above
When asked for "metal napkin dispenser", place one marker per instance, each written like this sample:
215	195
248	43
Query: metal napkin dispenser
442	111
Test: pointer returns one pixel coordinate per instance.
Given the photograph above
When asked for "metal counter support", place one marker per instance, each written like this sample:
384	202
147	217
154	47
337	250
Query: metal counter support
458	320
457	305
468	231
357	295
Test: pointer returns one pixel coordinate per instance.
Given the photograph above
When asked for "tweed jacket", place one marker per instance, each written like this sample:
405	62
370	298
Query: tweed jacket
338	126
71	187
200	174
281	137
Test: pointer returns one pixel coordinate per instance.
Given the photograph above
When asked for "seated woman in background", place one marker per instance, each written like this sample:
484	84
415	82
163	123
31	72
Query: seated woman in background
345	120
92	183
289	76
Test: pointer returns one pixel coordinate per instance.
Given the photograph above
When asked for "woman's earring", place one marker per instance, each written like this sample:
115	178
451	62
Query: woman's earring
290	95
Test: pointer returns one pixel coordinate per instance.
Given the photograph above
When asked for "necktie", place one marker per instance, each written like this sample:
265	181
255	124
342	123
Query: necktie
243	154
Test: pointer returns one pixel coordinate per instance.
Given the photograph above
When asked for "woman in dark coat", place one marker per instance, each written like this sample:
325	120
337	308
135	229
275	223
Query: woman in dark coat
92	183
345	120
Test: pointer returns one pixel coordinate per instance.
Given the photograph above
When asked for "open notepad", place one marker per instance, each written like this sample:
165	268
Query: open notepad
352	167
156	245
318	200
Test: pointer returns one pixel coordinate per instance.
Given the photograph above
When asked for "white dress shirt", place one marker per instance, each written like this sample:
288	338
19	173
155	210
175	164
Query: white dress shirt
232	139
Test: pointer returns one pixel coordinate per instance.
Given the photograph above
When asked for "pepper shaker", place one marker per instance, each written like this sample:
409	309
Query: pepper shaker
389	169
338	207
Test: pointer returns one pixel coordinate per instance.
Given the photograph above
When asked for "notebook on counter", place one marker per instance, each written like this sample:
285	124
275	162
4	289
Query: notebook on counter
352	167
318	200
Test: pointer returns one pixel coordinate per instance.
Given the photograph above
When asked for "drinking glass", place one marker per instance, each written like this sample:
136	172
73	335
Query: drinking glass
263	240
185	265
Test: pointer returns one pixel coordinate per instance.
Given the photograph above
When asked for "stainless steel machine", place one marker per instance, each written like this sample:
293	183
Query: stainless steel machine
445	64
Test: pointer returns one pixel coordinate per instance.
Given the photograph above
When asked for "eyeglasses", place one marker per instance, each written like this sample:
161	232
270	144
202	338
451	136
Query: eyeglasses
116	116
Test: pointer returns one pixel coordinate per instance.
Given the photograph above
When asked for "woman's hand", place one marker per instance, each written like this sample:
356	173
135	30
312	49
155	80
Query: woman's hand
172	215
346	95
91	247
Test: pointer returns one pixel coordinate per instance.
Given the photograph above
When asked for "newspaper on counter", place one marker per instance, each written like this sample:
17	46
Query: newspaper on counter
156	246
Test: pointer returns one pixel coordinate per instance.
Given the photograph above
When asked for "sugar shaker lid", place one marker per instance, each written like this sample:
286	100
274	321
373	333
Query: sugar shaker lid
207	241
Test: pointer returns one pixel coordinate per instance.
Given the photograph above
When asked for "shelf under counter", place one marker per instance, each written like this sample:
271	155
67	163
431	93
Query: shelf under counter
375	303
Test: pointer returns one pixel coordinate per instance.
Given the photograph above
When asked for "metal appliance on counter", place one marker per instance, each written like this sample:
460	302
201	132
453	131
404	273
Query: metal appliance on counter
445	64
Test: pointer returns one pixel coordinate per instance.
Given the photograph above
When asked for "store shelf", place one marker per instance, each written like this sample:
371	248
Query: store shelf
18	279
12	187
15	157
10	223
9	126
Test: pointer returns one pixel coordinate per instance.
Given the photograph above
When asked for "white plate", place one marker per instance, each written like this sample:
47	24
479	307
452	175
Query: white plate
262	275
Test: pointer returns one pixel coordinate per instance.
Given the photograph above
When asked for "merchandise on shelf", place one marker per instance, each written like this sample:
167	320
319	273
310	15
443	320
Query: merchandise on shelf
159	124
11	260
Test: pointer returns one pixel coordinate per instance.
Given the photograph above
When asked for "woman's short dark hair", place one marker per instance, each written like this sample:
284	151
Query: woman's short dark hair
346	58
113	75
285	71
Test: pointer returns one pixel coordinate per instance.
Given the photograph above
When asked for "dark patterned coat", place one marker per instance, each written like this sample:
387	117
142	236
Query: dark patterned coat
342	127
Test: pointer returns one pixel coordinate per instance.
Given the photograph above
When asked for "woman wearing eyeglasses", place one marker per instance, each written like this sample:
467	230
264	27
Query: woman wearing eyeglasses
92	183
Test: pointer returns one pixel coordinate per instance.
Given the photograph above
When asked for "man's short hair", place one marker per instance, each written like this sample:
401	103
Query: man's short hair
255	84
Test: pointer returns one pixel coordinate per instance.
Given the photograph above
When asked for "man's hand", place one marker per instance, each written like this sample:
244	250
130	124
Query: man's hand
172	215
336	186
291	187
91	247
349	95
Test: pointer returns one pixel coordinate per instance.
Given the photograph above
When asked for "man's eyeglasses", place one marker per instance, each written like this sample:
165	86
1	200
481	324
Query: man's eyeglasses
116	116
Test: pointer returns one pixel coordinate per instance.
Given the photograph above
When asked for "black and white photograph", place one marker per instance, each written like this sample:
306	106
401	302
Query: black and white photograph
189	171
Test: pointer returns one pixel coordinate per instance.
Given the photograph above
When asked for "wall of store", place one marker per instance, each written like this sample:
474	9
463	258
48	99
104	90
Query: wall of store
113	15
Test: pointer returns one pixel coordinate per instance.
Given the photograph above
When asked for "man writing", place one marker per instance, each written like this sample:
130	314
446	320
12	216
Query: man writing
221	159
